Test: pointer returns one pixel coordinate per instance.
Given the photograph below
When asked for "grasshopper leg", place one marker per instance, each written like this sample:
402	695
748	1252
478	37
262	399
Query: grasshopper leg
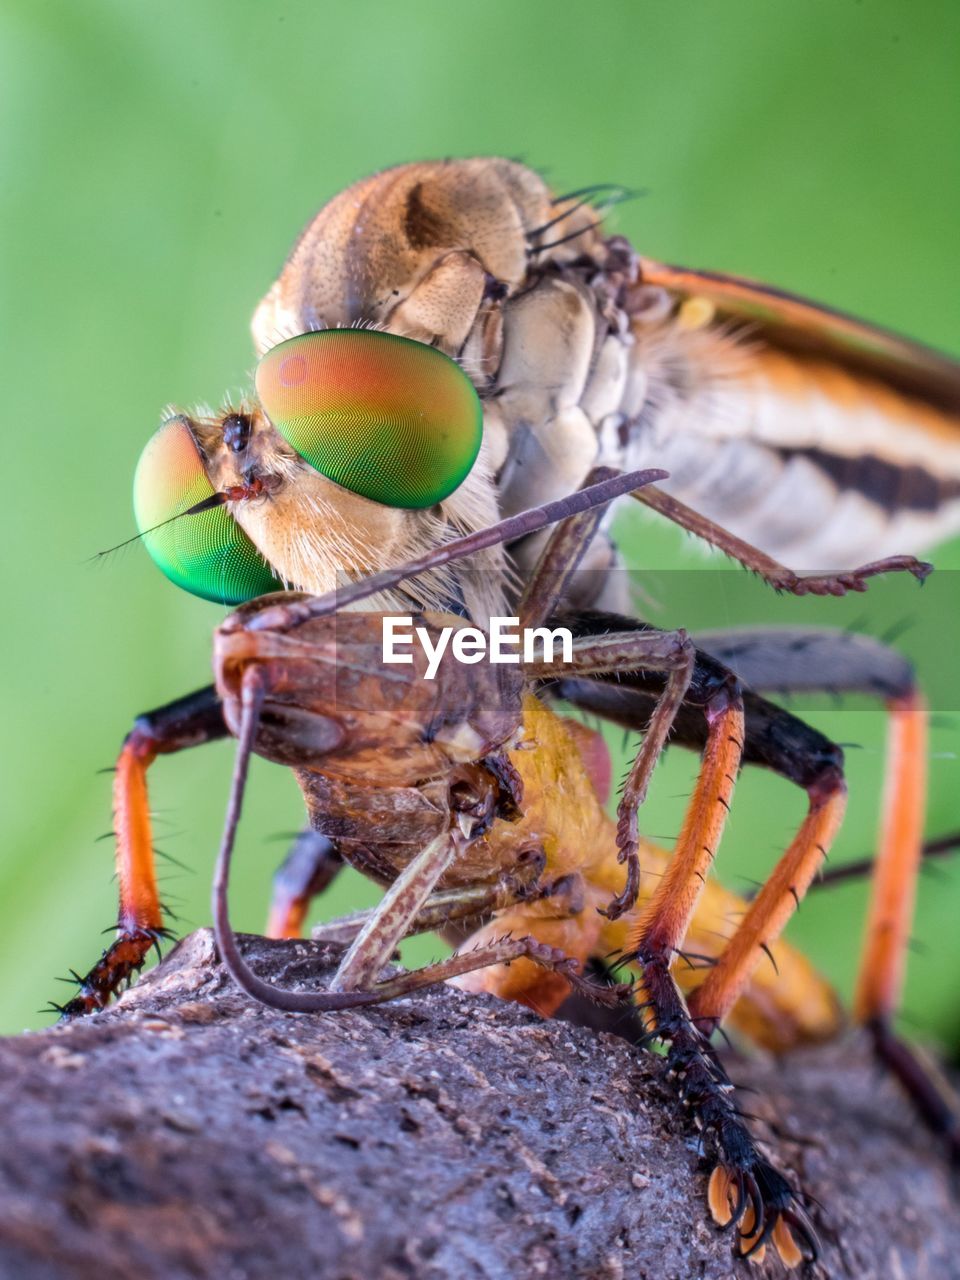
371	949
500	951
444	910
670	652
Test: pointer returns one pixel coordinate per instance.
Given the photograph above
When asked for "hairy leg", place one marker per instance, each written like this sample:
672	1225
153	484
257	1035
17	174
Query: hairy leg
771	571
188	722
785	660
669	652
810	658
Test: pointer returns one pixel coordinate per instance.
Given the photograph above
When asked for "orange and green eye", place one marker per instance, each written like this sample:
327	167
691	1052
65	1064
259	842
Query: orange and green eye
206	552
388	418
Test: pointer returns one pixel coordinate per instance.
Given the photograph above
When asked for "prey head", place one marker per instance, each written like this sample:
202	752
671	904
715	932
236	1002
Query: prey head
330	704
325	698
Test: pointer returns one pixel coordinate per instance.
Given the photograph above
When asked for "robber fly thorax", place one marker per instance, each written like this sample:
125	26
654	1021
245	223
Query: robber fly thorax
802	432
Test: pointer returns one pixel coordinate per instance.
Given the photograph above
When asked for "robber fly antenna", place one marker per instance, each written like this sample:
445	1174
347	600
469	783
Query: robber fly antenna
236	493
615	485
215	500
600	198
603	189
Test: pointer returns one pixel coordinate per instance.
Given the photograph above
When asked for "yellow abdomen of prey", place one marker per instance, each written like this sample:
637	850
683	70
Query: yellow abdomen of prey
561	764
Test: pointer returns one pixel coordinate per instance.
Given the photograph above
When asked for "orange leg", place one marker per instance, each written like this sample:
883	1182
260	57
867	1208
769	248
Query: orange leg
139	918
890	917
773	905
898	860
665	921
185	723
746	1192
309	868
139	898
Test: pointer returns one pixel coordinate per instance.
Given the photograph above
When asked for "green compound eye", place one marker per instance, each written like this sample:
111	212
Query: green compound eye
388	418
207	553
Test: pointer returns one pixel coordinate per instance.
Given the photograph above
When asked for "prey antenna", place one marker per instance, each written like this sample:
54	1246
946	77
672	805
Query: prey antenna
614	485
252	695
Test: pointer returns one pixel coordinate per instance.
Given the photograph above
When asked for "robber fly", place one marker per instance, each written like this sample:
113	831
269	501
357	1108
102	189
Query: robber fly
450	343
474	805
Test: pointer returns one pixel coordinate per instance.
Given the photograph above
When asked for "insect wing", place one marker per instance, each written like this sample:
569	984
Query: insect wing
796	325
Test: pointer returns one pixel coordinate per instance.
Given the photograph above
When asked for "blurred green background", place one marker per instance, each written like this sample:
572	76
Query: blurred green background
158	161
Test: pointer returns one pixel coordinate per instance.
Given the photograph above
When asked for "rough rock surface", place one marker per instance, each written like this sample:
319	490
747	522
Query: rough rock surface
190	1133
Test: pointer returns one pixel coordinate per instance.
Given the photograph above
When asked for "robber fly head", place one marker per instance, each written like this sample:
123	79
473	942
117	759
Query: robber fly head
363	445
355	440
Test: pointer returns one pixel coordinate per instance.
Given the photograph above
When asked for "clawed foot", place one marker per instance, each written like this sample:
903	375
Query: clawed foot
746	1192
758	1201
609	995
627	852
838	584
121	960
